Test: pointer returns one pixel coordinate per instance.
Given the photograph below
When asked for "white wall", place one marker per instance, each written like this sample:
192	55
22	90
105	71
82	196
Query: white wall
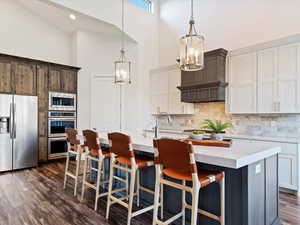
229	24
140	25
27	35
96	54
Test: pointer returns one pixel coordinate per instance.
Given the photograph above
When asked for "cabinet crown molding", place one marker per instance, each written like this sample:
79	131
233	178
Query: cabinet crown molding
38	61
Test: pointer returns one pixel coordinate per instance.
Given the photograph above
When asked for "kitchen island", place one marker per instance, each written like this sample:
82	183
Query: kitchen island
251	186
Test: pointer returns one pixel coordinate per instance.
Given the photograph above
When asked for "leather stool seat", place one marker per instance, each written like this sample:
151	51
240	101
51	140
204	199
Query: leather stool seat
205	177
141	161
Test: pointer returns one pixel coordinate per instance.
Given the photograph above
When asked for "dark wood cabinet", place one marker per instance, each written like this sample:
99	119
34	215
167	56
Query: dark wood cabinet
55	79
62	80
207	85
69	81
42	91
5	75
43	149
42	86
23	76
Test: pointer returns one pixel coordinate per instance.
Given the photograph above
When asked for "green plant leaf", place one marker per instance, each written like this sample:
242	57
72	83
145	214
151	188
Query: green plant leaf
216	126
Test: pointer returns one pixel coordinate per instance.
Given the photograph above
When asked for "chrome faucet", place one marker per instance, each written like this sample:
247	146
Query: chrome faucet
156	128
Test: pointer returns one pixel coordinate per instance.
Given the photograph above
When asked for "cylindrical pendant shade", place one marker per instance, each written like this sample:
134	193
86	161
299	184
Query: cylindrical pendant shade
192	53
122	72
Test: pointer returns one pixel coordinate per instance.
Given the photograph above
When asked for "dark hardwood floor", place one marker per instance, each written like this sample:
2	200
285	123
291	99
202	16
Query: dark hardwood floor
35	196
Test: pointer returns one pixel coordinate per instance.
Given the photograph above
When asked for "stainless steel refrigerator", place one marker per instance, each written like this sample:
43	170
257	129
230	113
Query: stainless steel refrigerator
18	132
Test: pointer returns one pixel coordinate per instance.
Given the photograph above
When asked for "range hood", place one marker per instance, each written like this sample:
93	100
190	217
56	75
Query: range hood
207	85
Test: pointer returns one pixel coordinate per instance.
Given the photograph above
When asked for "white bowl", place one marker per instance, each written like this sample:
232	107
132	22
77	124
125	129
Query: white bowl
197	136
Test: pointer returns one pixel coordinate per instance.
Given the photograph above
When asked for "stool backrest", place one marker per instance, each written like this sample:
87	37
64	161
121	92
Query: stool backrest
72	136
175	154
91	140
120	144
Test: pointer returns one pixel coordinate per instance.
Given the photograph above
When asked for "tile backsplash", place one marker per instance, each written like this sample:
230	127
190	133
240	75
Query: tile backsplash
269	125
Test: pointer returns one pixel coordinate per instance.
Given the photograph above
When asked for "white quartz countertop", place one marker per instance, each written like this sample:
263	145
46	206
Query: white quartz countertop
240	154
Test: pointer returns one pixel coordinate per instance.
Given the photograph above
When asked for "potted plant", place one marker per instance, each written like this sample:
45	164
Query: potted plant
197	134
217	127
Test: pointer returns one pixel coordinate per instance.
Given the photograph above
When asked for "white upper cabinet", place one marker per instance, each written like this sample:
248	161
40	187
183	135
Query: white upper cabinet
159	92
242	83
265	78
267	81
288	76
165	96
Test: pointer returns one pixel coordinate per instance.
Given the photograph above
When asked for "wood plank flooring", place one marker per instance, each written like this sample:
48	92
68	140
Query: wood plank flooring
36	197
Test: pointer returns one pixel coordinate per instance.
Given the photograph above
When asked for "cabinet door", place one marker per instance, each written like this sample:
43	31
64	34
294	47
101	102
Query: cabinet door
163	87
154	93
105	116
288	171
159	92
69	81
43	149
288	73
267	80
55	83
42	92
242	83
5	76
175	104
24	78
42	86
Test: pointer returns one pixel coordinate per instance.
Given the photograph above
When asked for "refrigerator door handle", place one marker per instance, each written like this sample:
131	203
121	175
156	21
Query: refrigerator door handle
11	121
15	122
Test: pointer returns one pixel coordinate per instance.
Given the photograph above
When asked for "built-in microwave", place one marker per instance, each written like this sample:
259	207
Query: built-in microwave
57	126
62	101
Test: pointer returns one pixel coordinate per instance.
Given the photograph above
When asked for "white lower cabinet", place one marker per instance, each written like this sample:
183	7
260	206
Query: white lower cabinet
289	171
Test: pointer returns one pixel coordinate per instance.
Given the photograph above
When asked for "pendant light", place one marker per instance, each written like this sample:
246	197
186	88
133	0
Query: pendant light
192	47
122	66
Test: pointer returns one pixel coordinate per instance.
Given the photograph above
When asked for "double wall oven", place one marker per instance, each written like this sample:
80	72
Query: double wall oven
62	115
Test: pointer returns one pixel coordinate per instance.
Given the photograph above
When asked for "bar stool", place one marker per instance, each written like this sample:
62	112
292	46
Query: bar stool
74	149
97	155
176	159
122	156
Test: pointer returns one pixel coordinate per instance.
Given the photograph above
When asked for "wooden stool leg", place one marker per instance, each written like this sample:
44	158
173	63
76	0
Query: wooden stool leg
131	193
183	203
127	182
222	196
111	176
66	169
161	201
138	187
195	195
84	177
98	183
156	195
77	172
103	172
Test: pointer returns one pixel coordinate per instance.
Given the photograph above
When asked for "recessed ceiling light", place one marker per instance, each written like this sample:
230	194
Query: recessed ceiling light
72	17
